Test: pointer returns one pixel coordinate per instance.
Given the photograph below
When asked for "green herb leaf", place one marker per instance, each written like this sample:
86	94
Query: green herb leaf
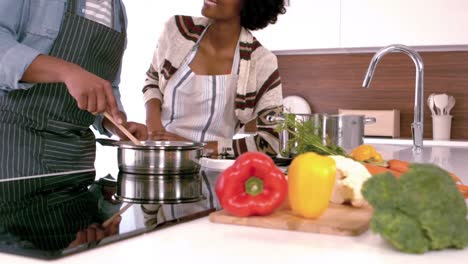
304	138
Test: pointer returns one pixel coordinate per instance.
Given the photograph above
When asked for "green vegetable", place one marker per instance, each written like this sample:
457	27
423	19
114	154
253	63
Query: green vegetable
304	138
421	211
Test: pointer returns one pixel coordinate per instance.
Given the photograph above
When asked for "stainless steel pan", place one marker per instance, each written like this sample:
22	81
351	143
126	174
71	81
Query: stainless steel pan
158	189
157	157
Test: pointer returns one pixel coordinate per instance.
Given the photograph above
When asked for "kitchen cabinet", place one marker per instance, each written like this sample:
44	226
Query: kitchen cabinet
307	24
372	23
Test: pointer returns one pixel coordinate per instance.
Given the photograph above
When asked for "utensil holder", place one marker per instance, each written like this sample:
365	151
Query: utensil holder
441	127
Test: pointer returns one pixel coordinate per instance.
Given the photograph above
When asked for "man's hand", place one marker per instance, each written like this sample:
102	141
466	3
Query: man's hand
136	129
96	232
91	92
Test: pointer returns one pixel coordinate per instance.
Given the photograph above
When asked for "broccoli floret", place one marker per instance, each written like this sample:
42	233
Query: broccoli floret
382	192
402	231
424	202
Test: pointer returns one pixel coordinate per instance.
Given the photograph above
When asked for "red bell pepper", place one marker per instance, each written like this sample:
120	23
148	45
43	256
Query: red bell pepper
253	185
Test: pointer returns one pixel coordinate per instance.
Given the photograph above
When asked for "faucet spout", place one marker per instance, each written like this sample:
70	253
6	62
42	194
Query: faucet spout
417	128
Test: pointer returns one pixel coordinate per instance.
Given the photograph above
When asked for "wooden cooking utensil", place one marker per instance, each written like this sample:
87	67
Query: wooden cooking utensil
123	129
111	219
441	102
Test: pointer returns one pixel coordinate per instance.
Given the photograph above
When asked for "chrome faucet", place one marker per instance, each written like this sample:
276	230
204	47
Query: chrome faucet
417	128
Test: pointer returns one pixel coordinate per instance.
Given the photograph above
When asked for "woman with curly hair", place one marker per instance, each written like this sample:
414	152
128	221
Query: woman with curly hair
210	76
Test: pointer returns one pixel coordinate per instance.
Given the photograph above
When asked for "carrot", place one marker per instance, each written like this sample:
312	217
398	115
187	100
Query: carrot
455	178
375	169
403	166
463	190
398	165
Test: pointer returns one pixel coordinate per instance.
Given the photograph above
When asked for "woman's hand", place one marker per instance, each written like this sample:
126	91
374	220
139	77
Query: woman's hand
136	129
163	135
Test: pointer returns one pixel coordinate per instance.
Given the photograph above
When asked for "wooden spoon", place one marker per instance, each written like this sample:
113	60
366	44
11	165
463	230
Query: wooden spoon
111	219
123	129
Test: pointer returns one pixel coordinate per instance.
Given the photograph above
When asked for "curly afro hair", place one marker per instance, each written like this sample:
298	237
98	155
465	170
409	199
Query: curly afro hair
257	14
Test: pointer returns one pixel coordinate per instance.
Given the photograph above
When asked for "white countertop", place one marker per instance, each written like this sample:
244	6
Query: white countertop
450	155
201	241
426	142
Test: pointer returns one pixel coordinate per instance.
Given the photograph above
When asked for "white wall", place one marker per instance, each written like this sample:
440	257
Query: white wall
307	24
145	22
375	23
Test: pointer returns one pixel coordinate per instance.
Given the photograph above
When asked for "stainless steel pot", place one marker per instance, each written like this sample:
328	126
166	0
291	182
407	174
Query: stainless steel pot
159	189
157	157
346	131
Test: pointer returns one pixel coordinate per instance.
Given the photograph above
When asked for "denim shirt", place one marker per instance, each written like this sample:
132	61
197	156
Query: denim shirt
29	28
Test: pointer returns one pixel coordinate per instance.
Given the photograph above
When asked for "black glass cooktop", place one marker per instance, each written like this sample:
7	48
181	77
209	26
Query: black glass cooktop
57	215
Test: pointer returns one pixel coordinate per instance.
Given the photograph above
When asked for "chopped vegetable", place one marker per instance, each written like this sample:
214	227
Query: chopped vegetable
253	185
398	165
350	177
376	169
420	211
366	153
311	178
401	166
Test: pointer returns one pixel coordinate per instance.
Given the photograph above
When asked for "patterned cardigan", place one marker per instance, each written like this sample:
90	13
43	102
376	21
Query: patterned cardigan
258	94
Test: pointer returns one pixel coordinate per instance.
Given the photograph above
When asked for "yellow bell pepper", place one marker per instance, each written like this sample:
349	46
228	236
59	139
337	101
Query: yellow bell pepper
311	178
366	153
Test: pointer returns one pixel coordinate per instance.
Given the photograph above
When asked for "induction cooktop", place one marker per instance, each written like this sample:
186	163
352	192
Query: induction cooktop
56	215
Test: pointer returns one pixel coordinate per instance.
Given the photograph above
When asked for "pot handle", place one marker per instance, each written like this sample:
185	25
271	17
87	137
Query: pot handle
272	118
369	120
107	142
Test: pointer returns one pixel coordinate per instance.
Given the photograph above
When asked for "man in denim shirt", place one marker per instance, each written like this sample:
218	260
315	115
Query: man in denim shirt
59	70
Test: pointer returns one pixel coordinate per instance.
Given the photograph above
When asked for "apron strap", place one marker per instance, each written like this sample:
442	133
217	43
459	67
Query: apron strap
235	61
122	18
72	5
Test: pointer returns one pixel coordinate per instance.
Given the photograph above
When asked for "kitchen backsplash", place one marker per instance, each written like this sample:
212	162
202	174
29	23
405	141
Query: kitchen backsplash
332	81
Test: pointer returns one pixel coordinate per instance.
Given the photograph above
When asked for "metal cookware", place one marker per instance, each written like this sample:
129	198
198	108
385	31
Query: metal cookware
346	131
159	189
157	157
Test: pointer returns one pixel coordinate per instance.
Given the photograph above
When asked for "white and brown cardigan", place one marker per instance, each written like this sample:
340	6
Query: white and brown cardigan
258	90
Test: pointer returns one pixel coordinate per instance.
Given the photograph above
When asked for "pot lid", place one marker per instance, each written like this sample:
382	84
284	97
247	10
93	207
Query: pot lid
169	145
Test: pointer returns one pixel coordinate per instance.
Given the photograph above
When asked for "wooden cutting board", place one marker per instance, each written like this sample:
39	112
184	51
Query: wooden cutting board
340	220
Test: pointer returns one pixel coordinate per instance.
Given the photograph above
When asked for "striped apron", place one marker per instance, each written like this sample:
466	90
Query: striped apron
43	131
199	108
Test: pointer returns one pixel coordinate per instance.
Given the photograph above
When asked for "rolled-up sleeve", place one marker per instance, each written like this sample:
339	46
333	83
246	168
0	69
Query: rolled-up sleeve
15	57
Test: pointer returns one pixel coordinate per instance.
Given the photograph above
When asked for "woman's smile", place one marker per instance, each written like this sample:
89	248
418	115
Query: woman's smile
211	2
